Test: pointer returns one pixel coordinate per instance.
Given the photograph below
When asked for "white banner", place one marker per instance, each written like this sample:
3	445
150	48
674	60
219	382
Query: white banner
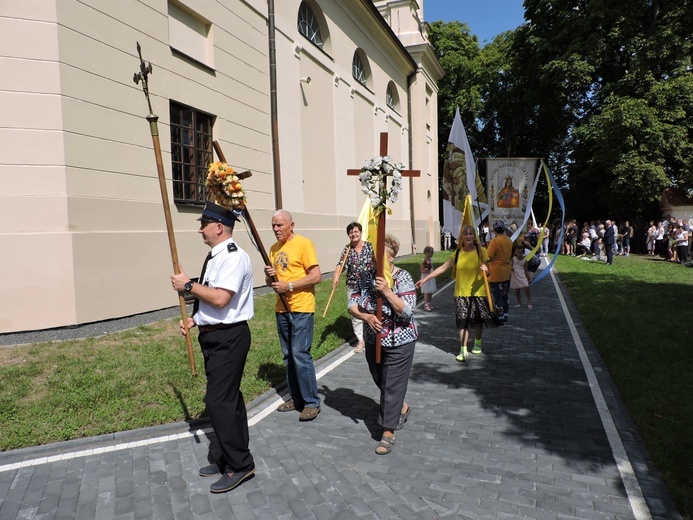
459	179
510	184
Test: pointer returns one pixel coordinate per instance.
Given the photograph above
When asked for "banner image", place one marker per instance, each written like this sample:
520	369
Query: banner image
509	184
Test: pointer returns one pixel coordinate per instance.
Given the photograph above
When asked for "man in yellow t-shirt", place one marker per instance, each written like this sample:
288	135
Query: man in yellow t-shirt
294	263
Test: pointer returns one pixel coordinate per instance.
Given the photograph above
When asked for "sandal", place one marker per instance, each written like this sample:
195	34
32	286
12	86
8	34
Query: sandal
385	445
287	406
403	418
360	346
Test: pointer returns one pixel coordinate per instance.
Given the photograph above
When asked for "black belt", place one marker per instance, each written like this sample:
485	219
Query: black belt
218	326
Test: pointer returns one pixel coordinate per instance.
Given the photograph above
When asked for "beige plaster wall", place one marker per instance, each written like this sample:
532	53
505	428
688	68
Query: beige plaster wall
81	224
36	259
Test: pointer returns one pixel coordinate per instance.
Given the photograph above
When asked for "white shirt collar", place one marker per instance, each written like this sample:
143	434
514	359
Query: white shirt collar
221	246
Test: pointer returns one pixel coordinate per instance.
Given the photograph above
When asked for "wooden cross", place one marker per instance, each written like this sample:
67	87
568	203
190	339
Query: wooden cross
251	224
380	253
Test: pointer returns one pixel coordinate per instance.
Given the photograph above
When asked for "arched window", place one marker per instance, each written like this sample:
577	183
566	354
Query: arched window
391	97
358	70
308	24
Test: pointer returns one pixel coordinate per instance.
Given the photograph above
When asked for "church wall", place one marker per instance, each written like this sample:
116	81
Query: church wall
36	259
80	191
359	115
77	126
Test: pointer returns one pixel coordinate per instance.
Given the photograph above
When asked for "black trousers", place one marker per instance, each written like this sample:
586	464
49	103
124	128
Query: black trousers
683	254
391	376
224	352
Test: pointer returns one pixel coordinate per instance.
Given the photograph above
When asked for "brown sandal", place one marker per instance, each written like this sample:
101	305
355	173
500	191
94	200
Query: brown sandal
287	406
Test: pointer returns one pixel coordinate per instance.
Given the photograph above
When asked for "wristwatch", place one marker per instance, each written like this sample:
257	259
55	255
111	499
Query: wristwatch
291	287
188	285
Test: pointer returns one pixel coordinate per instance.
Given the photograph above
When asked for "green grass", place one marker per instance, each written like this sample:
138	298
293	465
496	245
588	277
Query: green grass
66	390
412	264
638	312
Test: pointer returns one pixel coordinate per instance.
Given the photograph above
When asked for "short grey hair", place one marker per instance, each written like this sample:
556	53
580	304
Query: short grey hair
283	213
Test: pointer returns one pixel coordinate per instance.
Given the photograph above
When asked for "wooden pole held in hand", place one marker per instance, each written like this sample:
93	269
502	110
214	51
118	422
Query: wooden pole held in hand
145	70
488	292
337	273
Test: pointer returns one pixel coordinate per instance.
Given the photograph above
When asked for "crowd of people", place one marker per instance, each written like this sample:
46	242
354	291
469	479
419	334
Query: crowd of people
597	240
669	239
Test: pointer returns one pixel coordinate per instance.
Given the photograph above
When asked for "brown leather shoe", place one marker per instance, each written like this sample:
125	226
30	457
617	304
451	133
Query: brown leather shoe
309	413
287	406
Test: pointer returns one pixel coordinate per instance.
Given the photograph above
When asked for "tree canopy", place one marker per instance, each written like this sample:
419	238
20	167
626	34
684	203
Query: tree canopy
603	89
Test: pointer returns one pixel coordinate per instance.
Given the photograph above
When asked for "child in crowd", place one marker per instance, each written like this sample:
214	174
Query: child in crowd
428	288
519	277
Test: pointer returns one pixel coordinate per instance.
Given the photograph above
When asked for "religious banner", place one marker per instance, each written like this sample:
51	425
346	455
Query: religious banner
510	183
460	179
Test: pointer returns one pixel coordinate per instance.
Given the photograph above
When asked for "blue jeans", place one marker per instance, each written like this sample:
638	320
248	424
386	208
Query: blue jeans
296	337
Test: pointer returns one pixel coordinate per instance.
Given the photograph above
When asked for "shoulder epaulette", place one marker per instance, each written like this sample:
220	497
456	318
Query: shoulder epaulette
232	247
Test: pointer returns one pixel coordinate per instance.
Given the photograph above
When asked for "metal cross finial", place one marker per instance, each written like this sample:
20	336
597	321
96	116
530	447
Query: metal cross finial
145	71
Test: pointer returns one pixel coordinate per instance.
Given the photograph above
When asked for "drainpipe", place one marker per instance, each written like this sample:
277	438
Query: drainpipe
412	219
273	106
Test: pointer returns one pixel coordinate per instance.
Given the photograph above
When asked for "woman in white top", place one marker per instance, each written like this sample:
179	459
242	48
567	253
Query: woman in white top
650	238
682	244
659	239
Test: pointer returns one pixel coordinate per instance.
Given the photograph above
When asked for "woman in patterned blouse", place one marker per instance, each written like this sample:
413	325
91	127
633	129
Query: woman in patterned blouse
398	335
359	259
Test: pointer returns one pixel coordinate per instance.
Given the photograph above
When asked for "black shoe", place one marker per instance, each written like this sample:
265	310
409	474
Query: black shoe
229	481
210	471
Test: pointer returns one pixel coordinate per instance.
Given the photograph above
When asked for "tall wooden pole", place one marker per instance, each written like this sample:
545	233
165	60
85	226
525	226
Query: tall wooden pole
145	70
380	253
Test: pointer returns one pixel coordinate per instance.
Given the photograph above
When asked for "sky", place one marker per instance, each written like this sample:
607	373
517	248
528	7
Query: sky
485	18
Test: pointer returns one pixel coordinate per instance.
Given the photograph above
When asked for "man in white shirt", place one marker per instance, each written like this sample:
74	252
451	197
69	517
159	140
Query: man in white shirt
223	306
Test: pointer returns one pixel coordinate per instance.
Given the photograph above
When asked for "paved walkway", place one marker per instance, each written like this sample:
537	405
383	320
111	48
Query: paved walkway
531	428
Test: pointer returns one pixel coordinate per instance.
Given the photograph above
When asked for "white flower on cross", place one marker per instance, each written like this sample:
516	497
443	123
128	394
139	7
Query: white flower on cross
372	178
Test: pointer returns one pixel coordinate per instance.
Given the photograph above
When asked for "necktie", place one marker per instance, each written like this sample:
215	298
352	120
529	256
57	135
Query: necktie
200	280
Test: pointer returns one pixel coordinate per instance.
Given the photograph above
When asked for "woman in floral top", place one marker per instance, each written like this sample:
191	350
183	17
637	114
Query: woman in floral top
359	259
398	335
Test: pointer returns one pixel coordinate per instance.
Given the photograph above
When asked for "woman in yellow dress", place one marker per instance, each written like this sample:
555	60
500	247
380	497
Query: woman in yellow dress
471	301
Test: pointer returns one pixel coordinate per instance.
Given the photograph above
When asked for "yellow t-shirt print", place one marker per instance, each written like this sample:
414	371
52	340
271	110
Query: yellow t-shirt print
291	262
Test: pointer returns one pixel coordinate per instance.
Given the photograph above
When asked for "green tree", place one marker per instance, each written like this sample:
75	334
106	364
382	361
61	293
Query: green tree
600	88
614	82
458	52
